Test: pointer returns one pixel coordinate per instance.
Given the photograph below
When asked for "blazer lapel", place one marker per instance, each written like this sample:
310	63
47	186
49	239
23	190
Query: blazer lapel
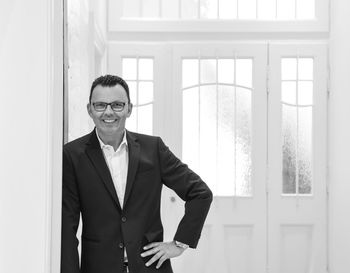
134	156
95	154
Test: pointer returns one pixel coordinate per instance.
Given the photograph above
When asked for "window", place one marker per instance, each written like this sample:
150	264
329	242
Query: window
138	72
220	9
217	122
228	16
297	108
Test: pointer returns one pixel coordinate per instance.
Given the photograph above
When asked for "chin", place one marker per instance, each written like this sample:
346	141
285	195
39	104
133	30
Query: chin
110	131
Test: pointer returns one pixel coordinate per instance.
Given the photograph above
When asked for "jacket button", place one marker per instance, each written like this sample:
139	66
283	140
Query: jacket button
123	219
121	245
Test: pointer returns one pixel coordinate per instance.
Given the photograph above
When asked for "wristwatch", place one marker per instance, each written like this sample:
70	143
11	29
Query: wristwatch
182	245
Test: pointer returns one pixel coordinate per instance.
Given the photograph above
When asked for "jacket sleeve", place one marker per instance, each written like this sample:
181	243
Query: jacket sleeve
190	188
70	218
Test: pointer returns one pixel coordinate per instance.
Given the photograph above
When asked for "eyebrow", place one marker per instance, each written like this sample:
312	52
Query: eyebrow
110	102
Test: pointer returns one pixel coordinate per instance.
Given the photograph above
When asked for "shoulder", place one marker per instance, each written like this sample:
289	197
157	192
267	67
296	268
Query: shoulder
142	138
77	144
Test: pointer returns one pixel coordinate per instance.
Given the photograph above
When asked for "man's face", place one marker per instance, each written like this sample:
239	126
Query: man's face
109	122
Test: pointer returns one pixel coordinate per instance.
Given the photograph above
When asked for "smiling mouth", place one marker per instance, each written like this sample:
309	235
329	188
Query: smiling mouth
109	121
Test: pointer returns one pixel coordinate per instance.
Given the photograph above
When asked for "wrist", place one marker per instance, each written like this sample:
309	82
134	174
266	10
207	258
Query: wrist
181	245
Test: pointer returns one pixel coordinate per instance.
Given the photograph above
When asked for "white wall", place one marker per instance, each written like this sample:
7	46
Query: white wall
86	37
80	61
30	134
339	138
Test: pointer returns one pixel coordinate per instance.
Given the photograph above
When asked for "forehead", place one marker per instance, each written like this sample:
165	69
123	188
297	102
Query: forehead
109	93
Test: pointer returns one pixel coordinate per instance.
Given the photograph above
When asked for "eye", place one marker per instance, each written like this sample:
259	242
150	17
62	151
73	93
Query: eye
117	104
100	106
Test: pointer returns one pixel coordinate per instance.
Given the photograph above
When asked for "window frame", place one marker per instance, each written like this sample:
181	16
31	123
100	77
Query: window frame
255	50
317	51
118	24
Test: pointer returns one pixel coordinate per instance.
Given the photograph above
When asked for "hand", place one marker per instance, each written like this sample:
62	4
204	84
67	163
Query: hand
162	251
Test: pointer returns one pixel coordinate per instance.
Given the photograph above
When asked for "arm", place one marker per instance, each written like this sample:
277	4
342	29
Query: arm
70	218
190	188
198	197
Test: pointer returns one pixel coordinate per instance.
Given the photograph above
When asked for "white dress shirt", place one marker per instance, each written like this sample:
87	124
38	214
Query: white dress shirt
117	162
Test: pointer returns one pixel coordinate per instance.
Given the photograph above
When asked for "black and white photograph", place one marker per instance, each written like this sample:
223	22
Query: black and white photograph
174	136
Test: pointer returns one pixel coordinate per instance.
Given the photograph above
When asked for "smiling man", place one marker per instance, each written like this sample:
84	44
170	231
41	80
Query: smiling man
114	178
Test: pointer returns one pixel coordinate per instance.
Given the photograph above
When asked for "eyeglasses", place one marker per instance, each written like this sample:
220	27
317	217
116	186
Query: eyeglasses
117	106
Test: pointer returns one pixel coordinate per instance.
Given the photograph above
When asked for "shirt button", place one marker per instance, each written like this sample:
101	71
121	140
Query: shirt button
121	245
123	219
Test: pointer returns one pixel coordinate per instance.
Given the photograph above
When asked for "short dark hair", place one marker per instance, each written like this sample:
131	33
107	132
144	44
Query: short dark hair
109	81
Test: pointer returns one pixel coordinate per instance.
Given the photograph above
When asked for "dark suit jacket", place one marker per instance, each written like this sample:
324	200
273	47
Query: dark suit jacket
88	189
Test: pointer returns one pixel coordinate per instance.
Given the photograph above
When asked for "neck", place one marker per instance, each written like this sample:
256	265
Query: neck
113	140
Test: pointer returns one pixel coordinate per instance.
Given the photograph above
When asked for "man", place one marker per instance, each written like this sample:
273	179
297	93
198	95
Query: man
114	178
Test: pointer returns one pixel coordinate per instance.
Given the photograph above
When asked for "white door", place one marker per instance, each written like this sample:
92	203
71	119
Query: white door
219	126
297	202
211	106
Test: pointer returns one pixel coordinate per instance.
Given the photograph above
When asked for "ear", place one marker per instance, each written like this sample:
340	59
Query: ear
88	108
129	110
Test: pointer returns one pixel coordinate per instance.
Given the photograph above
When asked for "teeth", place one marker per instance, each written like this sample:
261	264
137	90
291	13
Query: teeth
109	120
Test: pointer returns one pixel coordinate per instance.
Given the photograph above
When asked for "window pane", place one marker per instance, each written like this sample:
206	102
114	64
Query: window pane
305	92
150	8
289	129
305	150
129	68
247	9
297	126
266	9
131	8
244	72
189	9
226	71
208	71
222	9
222	129
209	9
226	143
286	9
243	142
289	92
170	9
145	119
207	138
145	92
289	69
228	9
145	69
132	91
131	122
305	9
190	131
189	72
305	68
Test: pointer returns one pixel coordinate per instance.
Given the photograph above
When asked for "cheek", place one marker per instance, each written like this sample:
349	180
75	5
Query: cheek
96	118
121	116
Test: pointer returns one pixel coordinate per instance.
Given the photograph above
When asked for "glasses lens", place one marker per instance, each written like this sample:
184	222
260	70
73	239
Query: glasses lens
100	106
117	106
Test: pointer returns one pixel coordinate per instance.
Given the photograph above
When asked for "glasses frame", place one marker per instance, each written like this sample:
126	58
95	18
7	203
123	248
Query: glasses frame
109	104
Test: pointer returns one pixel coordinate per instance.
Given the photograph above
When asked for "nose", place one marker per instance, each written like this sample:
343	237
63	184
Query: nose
109	110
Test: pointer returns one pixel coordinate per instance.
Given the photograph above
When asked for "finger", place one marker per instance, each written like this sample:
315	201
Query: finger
161	261
154	244
154	258
150	252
